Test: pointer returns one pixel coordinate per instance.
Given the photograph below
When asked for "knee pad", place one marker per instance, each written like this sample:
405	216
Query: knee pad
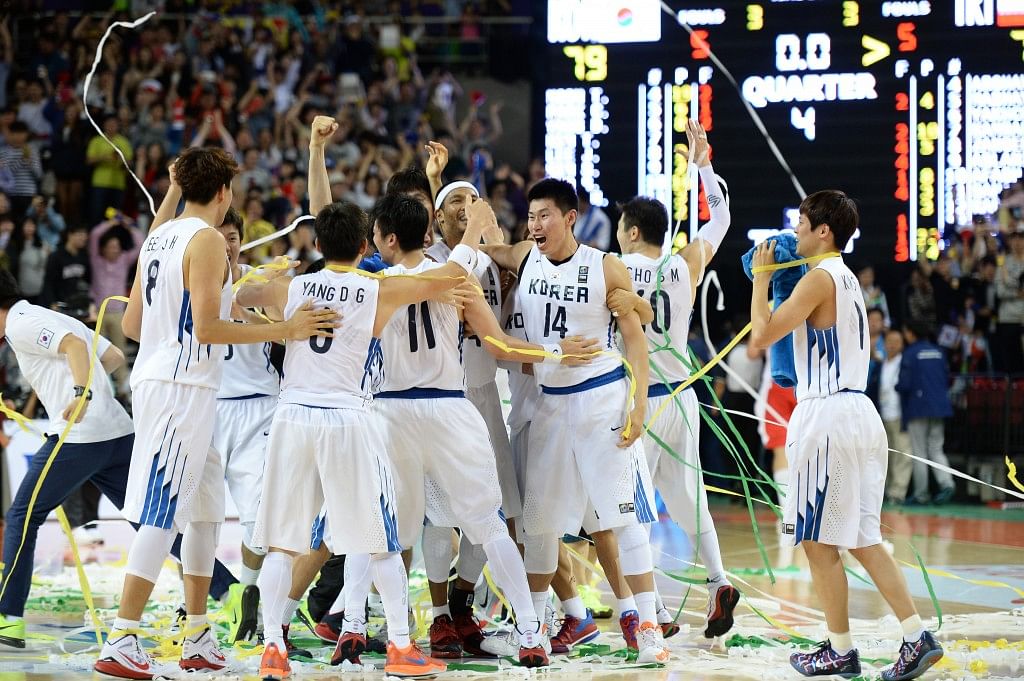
437	553
247	539
471	560
541	553
151	547
634	549
198	549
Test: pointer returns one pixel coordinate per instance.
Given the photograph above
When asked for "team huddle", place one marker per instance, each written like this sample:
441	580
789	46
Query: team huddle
384	427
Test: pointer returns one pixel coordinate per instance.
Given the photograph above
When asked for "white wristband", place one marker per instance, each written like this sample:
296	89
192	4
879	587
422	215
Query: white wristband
554	353
464	257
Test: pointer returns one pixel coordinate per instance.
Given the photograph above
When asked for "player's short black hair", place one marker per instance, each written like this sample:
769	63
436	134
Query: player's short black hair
561	192
403	216
10	292
341	230
409	181
647	214
232	218
316	266
834	208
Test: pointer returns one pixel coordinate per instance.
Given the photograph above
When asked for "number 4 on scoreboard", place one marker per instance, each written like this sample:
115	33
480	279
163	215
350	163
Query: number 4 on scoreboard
803	120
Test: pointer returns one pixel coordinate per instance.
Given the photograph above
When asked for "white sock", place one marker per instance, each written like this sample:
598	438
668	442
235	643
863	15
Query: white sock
275	581
659	604
248	575
339	603
913	628
393	585
626	604
290	606
122	627
195	625
573	607
510	576
781	478
540	603
711	555
841	643
358	579
440	610
645	607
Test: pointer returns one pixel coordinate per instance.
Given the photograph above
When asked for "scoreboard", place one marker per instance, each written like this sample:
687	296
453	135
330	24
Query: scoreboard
913	107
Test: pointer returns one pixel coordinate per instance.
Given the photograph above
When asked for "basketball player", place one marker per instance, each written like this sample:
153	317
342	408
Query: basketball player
245	406
177	311
454	479
670	282
836	442
577	472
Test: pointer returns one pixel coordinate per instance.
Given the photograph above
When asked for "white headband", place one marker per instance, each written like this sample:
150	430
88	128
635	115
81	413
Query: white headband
448	189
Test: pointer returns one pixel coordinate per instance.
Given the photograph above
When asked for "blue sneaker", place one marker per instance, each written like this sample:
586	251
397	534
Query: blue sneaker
826	662
915	658
574	632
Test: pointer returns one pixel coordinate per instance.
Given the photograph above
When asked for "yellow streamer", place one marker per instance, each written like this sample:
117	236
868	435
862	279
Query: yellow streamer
497	592
22	420
1011	474
794	263
83	580
976	582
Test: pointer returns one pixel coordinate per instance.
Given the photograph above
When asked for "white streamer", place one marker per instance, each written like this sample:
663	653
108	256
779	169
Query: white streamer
85	99
279	233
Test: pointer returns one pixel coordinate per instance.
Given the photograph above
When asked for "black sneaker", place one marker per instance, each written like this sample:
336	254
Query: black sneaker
248	619
826	662
295	653
915	658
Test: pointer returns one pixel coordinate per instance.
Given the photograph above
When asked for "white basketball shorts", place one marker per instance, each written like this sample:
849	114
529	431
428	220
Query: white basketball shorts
240	437
488	402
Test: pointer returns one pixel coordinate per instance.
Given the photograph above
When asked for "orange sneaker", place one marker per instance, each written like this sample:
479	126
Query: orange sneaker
411	661
274	664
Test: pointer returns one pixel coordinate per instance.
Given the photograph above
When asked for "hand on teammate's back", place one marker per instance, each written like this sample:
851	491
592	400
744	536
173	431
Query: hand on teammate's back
578	351
308	322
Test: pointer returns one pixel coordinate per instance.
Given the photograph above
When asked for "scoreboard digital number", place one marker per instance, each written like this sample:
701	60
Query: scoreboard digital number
916	108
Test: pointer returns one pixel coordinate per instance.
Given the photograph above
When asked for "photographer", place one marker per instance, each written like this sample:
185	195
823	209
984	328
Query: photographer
68	275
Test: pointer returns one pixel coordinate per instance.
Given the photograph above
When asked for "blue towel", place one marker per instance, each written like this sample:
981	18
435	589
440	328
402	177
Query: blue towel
783	283
373	264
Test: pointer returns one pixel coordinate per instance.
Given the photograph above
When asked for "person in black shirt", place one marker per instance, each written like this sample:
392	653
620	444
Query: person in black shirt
68	275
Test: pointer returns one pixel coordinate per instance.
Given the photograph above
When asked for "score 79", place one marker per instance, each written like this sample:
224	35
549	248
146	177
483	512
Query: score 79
591	61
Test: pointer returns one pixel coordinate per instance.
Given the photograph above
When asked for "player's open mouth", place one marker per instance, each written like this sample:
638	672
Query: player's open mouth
541	240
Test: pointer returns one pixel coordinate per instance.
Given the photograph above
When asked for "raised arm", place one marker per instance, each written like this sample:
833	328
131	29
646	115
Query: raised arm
319	184
709	238
768	326
169	206
509	256
437	161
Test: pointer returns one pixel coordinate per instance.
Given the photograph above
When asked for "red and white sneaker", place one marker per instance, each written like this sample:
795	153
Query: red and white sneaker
202	653
534	646
721	603
124	658
650	644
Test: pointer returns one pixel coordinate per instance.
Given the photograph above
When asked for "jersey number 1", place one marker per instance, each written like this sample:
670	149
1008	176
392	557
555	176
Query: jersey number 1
428	328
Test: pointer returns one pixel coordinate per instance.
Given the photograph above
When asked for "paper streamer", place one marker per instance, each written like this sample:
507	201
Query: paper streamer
85	98
279	233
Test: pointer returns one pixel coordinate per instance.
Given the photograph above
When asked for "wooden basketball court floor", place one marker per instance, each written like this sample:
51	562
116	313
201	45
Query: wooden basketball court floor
983	635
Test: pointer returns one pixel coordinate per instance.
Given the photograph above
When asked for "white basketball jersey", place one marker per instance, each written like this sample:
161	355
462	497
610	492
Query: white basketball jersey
831	360
422	343
342	370
167	349
568	300
666	284
248	371
524	389
480	364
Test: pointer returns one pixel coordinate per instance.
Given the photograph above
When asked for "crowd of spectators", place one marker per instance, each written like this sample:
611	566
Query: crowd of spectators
249	79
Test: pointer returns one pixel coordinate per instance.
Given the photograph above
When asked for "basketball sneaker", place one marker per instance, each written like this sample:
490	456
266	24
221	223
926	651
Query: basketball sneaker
469	630
915	658
445	642
669	627
721	603
12	632
534	646
243	606
274	664
650	644
410	661
124	658
826	662
629	622
329	628
351	645
202	652
573	632
294	653
591	598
